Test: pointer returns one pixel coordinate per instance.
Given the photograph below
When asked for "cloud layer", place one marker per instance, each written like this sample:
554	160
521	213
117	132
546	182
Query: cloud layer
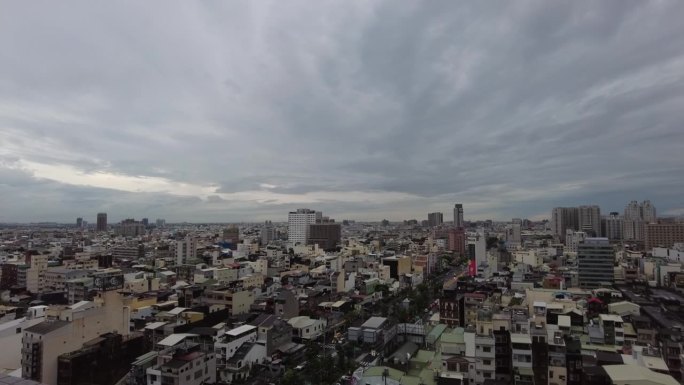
243	111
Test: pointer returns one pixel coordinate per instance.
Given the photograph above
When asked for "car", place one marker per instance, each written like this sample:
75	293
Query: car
300	366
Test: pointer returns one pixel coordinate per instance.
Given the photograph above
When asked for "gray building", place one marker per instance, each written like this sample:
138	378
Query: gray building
458	215
435	219
590	220
596	258
564	218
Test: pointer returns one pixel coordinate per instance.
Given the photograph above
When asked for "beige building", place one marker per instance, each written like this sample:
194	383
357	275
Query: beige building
66	329
56	278
238	302
34	274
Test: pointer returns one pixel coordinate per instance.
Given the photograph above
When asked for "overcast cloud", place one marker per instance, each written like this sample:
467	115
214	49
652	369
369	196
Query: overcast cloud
242	111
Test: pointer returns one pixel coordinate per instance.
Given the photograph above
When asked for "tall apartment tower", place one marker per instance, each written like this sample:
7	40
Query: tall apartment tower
612	226
458	215
562	219
648	212
636	217
79	222
186	250
596	259
101	222
435	219
590	220
267	233
298	225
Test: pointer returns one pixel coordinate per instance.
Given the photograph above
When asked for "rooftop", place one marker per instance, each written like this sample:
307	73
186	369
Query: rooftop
46	327
637	375
374	322
174	339
240	329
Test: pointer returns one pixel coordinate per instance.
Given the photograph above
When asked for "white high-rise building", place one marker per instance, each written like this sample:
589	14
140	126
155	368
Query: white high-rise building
298	225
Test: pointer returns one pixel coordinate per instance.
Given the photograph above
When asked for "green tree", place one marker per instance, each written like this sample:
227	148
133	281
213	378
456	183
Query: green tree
291	378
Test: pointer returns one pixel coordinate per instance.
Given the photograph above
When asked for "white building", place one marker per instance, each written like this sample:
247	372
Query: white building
573	239
232	340
298	224
11	334
307	328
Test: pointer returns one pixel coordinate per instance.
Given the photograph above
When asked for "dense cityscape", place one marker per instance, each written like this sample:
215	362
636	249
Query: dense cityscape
342	192
583	297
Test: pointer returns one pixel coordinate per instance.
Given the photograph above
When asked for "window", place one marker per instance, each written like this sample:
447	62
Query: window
487	362
18	330
487	349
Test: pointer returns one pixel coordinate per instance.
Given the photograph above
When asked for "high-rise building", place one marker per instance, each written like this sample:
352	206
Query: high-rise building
325	233
612	226
663	235
79	222
101	222
648	212
161	222
435	219
456	240
476	251
298	224
145	222
596	259
562	219
590	220
268	233
458	215
130	228
186	250
636	217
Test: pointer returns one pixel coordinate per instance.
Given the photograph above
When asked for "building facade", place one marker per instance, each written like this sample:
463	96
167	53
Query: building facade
589	218
562	219
298	225
663	235
458	215
435	219
596	259
101	222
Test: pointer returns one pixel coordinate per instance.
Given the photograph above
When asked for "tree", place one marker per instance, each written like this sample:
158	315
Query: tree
384	289
291	378
341	358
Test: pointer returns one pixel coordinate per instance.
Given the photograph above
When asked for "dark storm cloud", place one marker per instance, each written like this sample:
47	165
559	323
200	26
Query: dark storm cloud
241	111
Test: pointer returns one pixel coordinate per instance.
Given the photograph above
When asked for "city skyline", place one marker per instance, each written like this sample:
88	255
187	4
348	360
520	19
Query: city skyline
242	112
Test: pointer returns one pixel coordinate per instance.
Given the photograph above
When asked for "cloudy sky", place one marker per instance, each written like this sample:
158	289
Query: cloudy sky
242	111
